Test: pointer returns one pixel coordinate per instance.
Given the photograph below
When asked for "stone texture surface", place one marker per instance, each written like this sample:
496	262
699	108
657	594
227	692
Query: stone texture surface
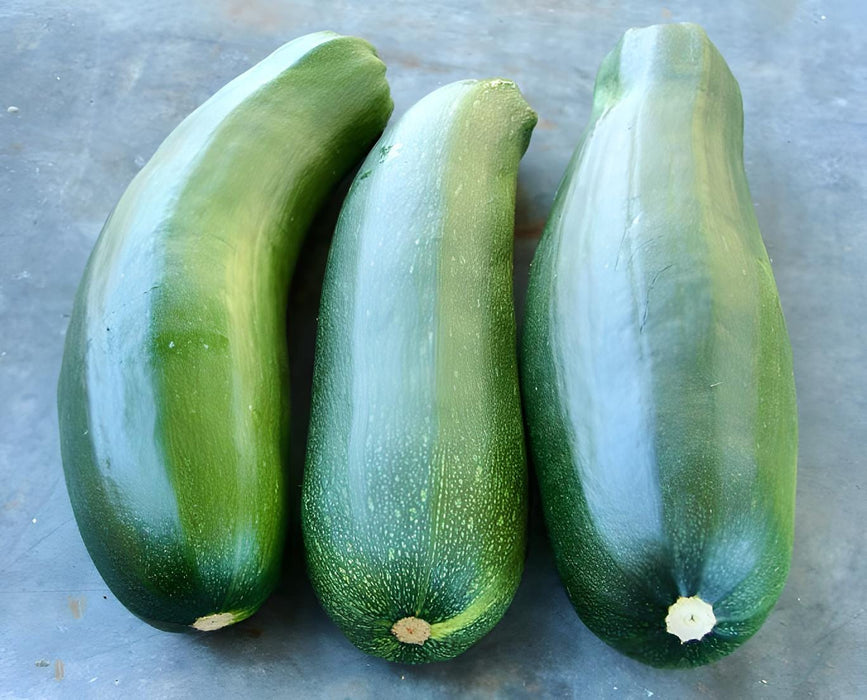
99	83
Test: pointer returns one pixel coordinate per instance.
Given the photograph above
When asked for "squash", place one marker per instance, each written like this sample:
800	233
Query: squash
173	394
415	494
656	367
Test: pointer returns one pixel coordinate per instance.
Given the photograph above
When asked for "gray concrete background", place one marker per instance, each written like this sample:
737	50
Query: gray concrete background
98	85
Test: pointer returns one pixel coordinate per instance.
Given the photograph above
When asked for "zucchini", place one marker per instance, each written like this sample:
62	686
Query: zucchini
656	366
414	497
173	396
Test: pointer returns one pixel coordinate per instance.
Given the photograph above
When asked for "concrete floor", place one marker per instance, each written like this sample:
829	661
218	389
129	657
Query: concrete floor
98	84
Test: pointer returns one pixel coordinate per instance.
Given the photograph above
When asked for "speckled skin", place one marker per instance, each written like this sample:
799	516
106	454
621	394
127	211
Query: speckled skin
657	371
414	499
173	395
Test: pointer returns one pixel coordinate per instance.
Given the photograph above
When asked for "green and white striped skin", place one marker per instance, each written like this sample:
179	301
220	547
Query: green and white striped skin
656	367
414	498
173	395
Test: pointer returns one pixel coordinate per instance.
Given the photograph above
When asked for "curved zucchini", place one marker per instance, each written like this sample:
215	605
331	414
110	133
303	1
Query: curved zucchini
414	497
656	367
173	398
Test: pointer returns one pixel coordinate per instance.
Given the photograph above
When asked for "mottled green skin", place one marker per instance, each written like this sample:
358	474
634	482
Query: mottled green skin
414	498
173	395
656	367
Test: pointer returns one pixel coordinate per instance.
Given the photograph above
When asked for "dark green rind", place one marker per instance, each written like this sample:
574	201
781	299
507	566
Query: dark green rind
414	497
173	394
656	367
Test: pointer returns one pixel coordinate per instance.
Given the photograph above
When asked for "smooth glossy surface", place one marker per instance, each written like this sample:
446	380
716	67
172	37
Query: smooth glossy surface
657	370
415	486
173	395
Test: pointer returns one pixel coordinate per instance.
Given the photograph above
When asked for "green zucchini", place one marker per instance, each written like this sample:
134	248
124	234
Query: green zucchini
414	496
173	391
656	367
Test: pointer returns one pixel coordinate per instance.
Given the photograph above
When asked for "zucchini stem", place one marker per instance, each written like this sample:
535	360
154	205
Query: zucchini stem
411	630
690	619
209	623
